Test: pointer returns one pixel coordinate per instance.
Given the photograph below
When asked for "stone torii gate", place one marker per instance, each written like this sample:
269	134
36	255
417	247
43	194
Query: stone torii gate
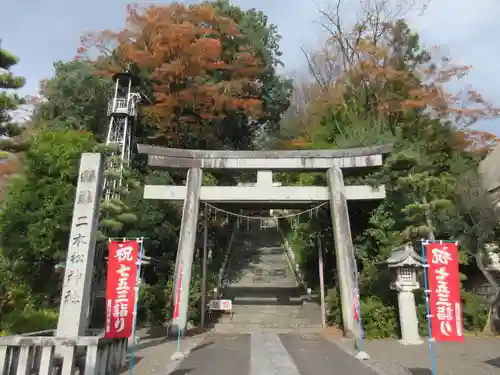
333	162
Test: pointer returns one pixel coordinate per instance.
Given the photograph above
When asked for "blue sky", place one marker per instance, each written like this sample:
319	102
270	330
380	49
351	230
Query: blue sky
43	31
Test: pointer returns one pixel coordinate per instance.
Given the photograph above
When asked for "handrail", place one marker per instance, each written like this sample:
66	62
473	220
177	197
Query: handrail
52	332
290	256
222	270
45	332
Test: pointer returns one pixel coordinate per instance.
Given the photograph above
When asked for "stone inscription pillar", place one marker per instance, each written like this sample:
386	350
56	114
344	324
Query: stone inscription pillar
344	249
187	240
75	299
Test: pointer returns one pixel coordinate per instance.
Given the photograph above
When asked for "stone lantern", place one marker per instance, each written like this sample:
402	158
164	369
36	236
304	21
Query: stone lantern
405	260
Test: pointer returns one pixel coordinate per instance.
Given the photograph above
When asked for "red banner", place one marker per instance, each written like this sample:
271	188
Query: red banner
178	294
120	288
444	296
356	305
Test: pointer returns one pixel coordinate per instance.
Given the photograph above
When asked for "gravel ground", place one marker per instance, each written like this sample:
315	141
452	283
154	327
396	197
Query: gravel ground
476	356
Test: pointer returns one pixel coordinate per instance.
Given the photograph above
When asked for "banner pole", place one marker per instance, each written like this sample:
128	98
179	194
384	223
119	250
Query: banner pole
178	340
427	305
136	304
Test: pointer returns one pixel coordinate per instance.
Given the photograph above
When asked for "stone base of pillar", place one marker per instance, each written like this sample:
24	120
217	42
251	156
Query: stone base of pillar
173	331
133	341
363	356
349	334
177	356
417	341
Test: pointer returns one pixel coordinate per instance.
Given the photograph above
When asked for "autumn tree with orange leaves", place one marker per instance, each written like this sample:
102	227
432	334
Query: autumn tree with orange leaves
372	82
207	78
373	76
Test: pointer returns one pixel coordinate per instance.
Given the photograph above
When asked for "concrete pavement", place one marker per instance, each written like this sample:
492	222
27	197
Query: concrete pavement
265	353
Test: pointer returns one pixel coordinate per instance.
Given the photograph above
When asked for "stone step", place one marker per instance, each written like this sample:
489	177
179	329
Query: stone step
252	326
264	290
276	309
259	290
289	321
257	301
276	328
279	313
264	250
254	287
240	330
251	282
290	314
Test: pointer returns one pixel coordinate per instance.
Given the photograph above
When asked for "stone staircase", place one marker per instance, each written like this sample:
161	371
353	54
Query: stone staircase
263	288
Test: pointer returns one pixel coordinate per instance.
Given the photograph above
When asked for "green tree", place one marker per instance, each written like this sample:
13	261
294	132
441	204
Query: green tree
275	90
426	191
481	224
76	97
36	212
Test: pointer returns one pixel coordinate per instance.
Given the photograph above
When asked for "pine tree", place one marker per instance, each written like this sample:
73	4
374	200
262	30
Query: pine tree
9	130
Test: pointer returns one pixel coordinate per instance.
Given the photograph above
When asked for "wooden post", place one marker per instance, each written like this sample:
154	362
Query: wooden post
321	281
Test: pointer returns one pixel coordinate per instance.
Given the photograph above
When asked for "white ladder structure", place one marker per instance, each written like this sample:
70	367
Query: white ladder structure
122	111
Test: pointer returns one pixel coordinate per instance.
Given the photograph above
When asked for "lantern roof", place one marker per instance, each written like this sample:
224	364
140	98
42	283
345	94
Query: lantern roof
404	256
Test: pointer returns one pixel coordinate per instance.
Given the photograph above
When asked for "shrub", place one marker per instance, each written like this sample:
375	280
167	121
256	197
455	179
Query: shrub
153	303
29	319
474	311
333	308
380	320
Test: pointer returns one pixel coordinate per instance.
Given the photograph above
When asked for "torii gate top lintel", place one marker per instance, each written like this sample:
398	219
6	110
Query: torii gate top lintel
269	159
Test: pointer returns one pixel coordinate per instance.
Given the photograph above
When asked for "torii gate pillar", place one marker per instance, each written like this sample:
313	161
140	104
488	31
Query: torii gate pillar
344	250
185	249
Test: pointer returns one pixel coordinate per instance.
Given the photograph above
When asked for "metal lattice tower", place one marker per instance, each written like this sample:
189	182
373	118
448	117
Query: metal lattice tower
122	111
123	108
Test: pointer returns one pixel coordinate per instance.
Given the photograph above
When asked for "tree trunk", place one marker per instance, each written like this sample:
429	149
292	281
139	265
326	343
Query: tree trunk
428	219
495	299
488	324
